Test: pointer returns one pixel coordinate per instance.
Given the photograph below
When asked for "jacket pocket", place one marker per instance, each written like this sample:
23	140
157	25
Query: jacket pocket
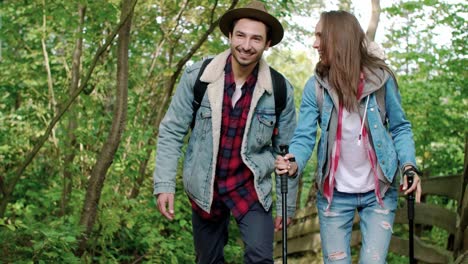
198	168
202	123
263	129
197	179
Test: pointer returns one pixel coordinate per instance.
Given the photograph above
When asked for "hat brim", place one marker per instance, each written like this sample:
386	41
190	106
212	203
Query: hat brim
229	17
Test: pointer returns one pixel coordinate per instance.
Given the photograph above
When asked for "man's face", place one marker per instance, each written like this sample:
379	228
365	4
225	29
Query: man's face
248	40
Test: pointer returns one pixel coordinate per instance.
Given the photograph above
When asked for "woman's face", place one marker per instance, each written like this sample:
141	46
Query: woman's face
318	42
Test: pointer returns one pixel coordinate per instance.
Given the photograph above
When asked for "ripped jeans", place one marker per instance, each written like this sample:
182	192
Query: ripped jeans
376	223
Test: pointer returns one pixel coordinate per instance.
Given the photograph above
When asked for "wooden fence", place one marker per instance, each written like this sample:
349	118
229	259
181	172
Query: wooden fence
304	237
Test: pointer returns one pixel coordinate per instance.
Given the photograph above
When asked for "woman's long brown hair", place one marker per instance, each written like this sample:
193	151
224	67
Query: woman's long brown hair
344	45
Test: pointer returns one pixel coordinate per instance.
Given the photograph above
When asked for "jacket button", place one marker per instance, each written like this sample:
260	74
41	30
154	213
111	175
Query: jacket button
375	126
378	145
372	109
383	161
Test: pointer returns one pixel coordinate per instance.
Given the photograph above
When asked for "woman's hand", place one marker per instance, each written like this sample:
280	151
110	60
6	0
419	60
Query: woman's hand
416	186
283	165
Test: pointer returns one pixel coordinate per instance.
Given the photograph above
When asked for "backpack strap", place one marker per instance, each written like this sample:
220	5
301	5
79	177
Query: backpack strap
279	91
199	91
380	98
319	96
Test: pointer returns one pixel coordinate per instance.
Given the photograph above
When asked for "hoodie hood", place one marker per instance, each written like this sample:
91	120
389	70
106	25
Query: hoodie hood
375	79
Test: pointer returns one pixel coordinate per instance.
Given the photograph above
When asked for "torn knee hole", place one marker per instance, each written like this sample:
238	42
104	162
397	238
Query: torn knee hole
337	255
382	211
386	225
330	214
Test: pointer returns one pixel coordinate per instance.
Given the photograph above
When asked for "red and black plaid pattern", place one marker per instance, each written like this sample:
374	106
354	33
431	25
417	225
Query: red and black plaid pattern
218	208
234	185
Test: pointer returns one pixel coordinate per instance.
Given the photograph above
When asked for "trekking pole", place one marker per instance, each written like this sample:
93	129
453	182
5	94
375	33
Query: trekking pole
284	149
410	177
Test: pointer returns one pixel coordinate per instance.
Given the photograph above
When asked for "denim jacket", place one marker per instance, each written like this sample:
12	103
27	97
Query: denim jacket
391	139
259	148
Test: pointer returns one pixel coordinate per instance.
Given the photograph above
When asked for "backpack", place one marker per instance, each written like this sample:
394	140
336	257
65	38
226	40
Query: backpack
379	96
279	91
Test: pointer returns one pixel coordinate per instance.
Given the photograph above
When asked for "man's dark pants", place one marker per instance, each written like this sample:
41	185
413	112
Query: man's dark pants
256	228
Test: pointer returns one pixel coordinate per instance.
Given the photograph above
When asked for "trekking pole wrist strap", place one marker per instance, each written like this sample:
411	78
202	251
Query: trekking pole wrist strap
412	169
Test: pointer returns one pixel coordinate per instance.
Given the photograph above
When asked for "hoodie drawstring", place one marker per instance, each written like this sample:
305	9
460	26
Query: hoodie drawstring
363	121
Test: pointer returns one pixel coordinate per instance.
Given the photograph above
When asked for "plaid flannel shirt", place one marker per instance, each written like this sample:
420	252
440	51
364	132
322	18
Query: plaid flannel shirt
234	182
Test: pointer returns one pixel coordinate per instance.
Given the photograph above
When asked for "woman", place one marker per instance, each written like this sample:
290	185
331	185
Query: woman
363	144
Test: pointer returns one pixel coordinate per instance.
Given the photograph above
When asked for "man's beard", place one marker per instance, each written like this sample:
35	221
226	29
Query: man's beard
255	59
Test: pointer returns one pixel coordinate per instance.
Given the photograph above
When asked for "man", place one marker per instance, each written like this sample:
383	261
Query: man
231	152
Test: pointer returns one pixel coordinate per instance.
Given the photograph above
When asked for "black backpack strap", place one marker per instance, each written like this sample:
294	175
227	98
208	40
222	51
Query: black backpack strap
199	91
380	98
279	91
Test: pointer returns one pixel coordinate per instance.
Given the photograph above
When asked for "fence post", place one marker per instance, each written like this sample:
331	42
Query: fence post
461	244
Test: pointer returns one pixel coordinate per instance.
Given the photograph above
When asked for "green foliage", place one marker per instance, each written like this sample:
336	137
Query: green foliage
432	79
48	241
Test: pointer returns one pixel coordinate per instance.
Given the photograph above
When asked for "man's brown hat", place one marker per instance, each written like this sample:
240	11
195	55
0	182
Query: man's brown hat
255	10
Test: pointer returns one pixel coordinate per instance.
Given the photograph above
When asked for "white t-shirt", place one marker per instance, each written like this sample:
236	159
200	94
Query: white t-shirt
237	94
354	172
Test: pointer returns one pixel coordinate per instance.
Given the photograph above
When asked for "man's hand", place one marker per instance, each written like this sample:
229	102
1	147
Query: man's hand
283	165
279	223
163	200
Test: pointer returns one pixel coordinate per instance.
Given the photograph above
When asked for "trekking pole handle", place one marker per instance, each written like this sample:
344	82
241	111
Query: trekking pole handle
410	178
284	149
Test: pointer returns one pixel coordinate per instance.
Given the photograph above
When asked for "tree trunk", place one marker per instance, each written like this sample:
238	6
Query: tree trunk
50	84
374	21
70	141
168	89
1	44
105	158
